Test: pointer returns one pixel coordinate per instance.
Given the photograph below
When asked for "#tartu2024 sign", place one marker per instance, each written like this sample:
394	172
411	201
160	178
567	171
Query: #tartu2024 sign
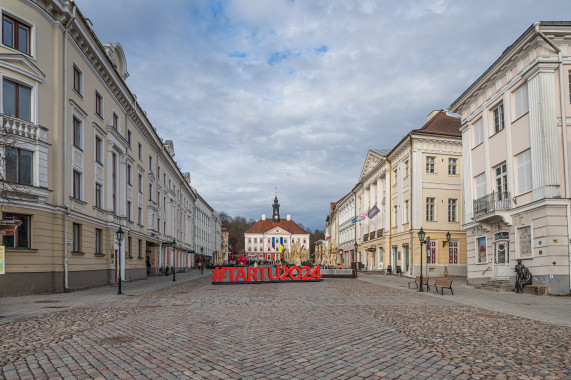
253	275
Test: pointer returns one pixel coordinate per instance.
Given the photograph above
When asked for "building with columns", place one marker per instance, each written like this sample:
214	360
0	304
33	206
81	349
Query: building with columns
515	121
268	238
82	160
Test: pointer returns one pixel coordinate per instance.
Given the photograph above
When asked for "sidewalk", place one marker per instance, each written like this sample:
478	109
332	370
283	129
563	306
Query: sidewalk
36	304
552	309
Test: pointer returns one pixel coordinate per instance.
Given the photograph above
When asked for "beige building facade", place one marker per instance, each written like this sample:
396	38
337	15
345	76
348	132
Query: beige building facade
515	121
81	160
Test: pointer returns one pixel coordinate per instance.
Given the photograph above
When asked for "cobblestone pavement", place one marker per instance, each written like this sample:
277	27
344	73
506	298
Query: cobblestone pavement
335	329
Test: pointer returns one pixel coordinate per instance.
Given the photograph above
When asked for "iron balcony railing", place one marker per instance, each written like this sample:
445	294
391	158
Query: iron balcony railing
492	202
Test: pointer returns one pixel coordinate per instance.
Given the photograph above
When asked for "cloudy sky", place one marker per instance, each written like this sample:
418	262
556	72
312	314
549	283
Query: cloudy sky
263	93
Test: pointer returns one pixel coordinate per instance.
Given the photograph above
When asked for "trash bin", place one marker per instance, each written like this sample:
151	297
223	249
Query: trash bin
389	269
399	270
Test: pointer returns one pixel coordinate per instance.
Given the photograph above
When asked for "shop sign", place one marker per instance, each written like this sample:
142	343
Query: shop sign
502	236
254	275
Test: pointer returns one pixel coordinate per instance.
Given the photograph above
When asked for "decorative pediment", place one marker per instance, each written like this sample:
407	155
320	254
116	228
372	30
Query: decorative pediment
372	160
22	65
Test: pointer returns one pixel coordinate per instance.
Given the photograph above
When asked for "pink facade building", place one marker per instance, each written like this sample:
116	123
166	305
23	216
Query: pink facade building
516	187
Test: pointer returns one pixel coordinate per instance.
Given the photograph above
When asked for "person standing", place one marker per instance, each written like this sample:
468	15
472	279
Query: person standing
201	264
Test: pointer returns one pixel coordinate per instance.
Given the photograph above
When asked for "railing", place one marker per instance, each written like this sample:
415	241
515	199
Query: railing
366	237
492	202
380	232
22	128
372	235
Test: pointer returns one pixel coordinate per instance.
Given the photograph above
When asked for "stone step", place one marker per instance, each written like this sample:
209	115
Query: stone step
496	288
538	290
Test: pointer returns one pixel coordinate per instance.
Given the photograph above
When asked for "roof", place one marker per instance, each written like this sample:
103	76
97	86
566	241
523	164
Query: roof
224	229
263	226
332	204
381	152
442	123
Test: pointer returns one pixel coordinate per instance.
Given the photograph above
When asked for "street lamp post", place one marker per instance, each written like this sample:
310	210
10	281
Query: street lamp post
174	260
120	235
355	253
421	235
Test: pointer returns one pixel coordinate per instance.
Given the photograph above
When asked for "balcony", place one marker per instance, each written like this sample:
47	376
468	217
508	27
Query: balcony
366	237
23	128
493	205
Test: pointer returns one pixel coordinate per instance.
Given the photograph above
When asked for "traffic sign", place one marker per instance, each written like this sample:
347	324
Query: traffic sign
7	232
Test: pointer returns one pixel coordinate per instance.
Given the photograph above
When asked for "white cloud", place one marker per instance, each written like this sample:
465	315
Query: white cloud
265	93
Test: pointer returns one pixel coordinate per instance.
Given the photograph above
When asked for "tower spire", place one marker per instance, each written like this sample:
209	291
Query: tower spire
276	207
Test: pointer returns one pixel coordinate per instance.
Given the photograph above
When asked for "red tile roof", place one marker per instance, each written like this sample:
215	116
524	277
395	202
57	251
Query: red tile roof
332	204
441	124
263	226
224	229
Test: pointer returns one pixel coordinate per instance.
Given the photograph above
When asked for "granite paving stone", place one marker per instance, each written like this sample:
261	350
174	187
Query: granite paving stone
369	327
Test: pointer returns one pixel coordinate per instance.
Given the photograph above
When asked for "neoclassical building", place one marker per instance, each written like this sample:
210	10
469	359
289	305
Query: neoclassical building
80	160
269	238
515	127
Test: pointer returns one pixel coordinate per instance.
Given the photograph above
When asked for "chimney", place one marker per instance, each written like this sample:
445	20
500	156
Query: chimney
432	114
288	217
263	216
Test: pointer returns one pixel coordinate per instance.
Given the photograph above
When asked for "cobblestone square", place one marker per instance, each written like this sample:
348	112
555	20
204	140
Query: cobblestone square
371	327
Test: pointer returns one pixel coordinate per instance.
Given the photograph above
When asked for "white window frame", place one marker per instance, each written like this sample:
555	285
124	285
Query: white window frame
501	118
521	101
430	166
22	20
480	185
33	85
524	172
405	212
101	203
453	163
102	115
478	128
433	209
95	150
455	210
81	79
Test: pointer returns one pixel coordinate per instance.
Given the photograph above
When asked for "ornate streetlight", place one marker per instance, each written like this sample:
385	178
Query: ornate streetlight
120	235
356	265
421	235
174	260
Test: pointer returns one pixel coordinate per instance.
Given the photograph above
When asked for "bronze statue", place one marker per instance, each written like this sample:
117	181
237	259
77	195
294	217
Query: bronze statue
523	277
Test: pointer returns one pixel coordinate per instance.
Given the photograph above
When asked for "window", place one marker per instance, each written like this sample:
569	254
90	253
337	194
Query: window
19	166
77	79
521	103
115	121
524	183
159	199
481	250
98	240
405	169
76	185
430	209
395	177
129	138
16	100
129	175
98	104
98	190
140	151
129	247
431	252
249	240
395	214
22	236
98	149
151	163
76	237
141	183
498	118
453	252
480	185
478	132
159	225
16	34
140	248
452	163
114	181
501	182
430	164
405	212
140	216
150	191
77	133
129	213
452	210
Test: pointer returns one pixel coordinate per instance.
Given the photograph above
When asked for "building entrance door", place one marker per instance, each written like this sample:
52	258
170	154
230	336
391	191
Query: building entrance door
501	260
394	258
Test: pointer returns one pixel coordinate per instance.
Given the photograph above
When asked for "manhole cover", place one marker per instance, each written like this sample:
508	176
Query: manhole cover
117	340
47	301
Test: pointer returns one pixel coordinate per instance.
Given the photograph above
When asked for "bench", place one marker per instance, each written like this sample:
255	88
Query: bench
417	281
443	284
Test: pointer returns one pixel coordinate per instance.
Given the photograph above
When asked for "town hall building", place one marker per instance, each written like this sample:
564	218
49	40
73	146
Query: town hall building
269	238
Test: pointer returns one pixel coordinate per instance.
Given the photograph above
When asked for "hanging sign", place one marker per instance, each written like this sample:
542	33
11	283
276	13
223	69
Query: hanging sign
255	275
2	260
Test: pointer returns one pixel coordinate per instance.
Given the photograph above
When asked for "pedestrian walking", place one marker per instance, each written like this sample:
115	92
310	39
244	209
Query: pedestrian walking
201	267
148	265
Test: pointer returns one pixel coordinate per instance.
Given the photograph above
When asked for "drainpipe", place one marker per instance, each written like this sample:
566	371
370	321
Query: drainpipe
565	150
65	195
411	227
389	201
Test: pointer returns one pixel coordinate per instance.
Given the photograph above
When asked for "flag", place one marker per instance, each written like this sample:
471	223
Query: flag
273	243
328	238
373	212
281	246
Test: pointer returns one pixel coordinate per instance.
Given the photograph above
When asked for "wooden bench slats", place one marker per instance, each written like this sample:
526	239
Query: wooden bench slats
443	284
